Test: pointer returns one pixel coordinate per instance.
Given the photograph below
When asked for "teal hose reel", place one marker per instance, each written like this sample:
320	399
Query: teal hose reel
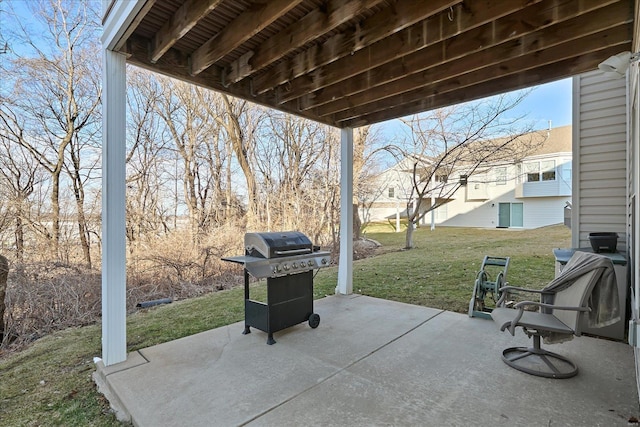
486	290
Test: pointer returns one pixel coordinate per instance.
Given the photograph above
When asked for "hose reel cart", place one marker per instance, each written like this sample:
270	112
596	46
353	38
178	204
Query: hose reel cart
484	288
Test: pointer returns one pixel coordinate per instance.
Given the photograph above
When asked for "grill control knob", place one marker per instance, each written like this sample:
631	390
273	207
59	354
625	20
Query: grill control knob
311	263
294	265
323	261
303	264
286	267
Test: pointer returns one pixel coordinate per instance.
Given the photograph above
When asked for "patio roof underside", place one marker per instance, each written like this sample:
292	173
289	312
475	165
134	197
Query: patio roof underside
350	63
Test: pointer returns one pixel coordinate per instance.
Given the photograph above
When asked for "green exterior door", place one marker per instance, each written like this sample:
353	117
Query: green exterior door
504	215
516	215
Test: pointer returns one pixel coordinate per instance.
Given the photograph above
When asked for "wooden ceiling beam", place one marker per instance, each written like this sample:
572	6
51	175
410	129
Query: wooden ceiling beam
180	23
175	64
525	27
403	14
410	41
245	26
483	72
442	68
314	24
545	74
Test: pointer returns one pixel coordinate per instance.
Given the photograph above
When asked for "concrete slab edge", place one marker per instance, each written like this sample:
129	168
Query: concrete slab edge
116	405
100	377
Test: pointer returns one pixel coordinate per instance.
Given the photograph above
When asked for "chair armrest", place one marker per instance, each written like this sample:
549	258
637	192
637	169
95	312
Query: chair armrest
522	304
505	293
511	326
515	288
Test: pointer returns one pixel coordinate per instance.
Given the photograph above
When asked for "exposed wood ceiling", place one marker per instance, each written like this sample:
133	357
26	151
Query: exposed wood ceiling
350	63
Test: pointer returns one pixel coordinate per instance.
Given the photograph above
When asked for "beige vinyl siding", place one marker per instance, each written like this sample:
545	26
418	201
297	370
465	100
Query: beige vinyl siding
599	162
633	209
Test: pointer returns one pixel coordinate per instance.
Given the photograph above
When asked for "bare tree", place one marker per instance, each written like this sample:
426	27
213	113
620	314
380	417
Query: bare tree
461	139
218	154
367	145
151	163
18	178
54	96
190	129
240	123
286	156
4	272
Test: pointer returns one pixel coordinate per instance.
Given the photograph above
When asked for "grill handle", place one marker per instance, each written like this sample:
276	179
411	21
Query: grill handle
294	252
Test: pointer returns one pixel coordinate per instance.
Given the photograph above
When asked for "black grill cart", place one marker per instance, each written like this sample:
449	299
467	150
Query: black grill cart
286	260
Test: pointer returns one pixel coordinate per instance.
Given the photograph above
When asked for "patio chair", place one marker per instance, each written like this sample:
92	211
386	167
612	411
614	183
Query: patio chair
585	287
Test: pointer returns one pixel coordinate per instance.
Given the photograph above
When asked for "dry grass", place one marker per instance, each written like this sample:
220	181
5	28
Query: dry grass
440	270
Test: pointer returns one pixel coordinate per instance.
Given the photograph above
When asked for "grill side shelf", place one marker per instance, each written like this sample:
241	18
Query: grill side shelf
275	267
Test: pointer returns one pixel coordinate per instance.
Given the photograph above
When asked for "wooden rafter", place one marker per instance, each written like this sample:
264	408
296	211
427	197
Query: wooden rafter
316	23
176	64
454	42
180	23
548	73
379	26
511	64
411	40
245	26
452	62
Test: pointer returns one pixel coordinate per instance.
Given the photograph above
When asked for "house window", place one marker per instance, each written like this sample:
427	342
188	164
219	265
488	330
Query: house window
501	176
540	171
548	168
391	192
533	172
441	178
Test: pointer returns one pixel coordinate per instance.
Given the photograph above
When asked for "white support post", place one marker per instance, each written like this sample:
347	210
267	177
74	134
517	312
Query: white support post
345	268
114	304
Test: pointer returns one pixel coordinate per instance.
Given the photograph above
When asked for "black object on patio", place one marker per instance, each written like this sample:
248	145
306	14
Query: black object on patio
286	260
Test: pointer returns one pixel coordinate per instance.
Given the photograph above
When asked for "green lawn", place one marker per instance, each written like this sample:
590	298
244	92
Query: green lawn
50	382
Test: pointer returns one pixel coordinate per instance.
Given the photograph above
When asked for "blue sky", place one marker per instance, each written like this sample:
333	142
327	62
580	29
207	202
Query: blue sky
547	102
551	101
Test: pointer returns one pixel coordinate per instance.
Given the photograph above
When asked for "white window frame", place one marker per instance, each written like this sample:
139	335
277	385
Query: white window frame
539	168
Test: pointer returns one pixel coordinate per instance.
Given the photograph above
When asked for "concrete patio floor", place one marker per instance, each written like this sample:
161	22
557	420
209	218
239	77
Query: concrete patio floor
370	362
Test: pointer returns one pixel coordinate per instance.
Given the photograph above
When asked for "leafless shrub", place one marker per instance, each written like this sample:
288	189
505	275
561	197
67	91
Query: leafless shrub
183	266
43	297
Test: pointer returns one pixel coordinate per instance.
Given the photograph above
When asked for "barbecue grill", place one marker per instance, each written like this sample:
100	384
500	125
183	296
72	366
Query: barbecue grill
286	260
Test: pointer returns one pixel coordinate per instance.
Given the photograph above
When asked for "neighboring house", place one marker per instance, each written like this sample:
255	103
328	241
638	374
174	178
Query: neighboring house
530	193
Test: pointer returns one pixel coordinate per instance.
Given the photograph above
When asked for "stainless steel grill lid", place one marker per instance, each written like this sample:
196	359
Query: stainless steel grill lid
277	244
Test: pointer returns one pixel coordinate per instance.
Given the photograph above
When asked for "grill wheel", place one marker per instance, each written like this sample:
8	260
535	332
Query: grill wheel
314	320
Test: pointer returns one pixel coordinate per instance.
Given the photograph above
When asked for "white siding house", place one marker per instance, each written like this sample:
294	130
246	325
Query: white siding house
530	193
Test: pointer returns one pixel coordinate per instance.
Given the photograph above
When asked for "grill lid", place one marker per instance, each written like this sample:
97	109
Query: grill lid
277	244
